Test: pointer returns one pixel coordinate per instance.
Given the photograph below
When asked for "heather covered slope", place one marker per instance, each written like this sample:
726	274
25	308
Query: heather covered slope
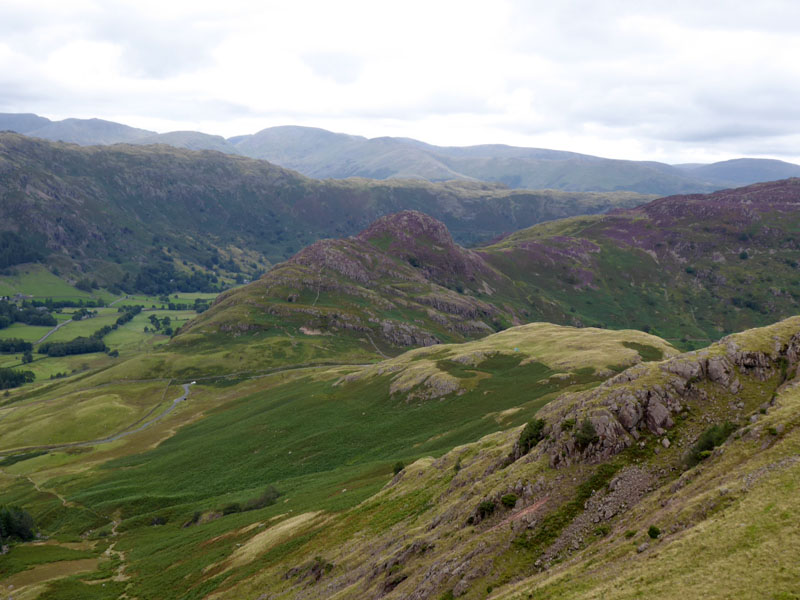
688	268
694	456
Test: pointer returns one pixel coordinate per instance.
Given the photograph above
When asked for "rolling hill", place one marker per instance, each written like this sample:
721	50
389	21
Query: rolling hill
323	154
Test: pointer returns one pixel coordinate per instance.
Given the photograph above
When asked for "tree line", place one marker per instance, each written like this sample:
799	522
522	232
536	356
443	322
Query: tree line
11	313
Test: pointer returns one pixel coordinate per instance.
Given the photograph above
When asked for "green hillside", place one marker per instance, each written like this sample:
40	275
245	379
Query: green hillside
158	219
283	484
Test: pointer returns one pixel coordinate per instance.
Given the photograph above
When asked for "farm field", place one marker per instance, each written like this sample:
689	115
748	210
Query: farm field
36	281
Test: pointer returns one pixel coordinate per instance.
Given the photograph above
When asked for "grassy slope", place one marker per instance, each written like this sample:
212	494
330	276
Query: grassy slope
307	432
734	510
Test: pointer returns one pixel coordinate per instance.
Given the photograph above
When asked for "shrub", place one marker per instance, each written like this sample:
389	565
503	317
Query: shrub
743	255
630	533
398	466
509	500
653	532
568	425
15	523
602	531
232	508
531	435
267	498
586	434
457	466
486	508
712	437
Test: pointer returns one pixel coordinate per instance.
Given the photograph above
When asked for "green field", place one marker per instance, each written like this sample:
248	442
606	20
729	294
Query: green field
38	282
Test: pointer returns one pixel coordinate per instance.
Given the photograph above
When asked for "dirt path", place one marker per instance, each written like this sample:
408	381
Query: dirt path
53	330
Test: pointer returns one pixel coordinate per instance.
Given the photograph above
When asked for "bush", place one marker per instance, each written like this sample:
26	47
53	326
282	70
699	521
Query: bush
15	523
586	434
568	425
711	438
531	435
398	466
232	508
486	508
11	378
743	255
630	533
653	532
268	497
509	500
603	530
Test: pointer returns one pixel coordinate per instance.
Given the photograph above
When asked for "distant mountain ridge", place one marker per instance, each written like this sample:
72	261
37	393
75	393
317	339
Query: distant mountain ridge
323	154
121	204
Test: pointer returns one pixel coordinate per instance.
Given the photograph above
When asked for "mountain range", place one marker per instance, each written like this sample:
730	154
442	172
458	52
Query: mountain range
114	209
324	154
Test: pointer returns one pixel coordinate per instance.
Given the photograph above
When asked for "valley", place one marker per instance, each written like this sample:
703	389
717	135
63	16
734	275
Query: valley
575	408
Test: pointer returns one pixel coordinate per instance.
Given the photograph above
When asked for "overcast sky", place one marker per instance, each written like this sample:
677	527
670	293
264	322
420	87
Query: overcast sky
677	81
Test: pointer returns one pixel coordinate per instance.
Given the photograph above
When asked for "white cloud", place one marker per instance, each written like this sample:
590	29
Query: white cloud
680	81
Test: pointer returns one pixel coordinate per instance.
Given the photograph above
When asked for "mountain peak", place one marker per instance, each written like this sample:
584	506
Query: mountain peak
408	228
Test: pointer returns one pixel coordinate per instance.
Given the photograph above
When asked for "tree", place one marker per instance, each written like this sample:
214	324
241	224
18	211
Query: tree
27	357
531	435
586	434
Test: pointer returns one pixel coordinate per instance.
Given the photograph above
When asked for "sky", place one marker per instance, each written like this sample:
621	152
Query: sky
675	81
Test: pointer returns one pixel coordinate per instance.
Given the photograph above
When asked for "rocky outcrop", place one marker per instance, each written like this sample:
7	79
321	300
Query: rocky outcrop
645	398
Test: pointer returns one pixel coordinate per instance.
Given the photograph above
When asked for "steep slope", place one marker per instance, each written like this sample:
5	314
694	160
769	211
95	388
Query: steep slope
690	268
700	451
133	205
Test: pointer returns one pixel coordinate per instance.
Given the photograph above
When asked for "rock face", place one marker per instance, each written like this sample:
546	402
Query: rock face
651	396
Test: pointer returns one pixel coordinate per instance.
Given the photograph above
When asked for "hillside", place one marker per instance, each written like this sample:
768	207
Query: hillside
326	438
688	268
283	485
323	154
570	519
115	211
